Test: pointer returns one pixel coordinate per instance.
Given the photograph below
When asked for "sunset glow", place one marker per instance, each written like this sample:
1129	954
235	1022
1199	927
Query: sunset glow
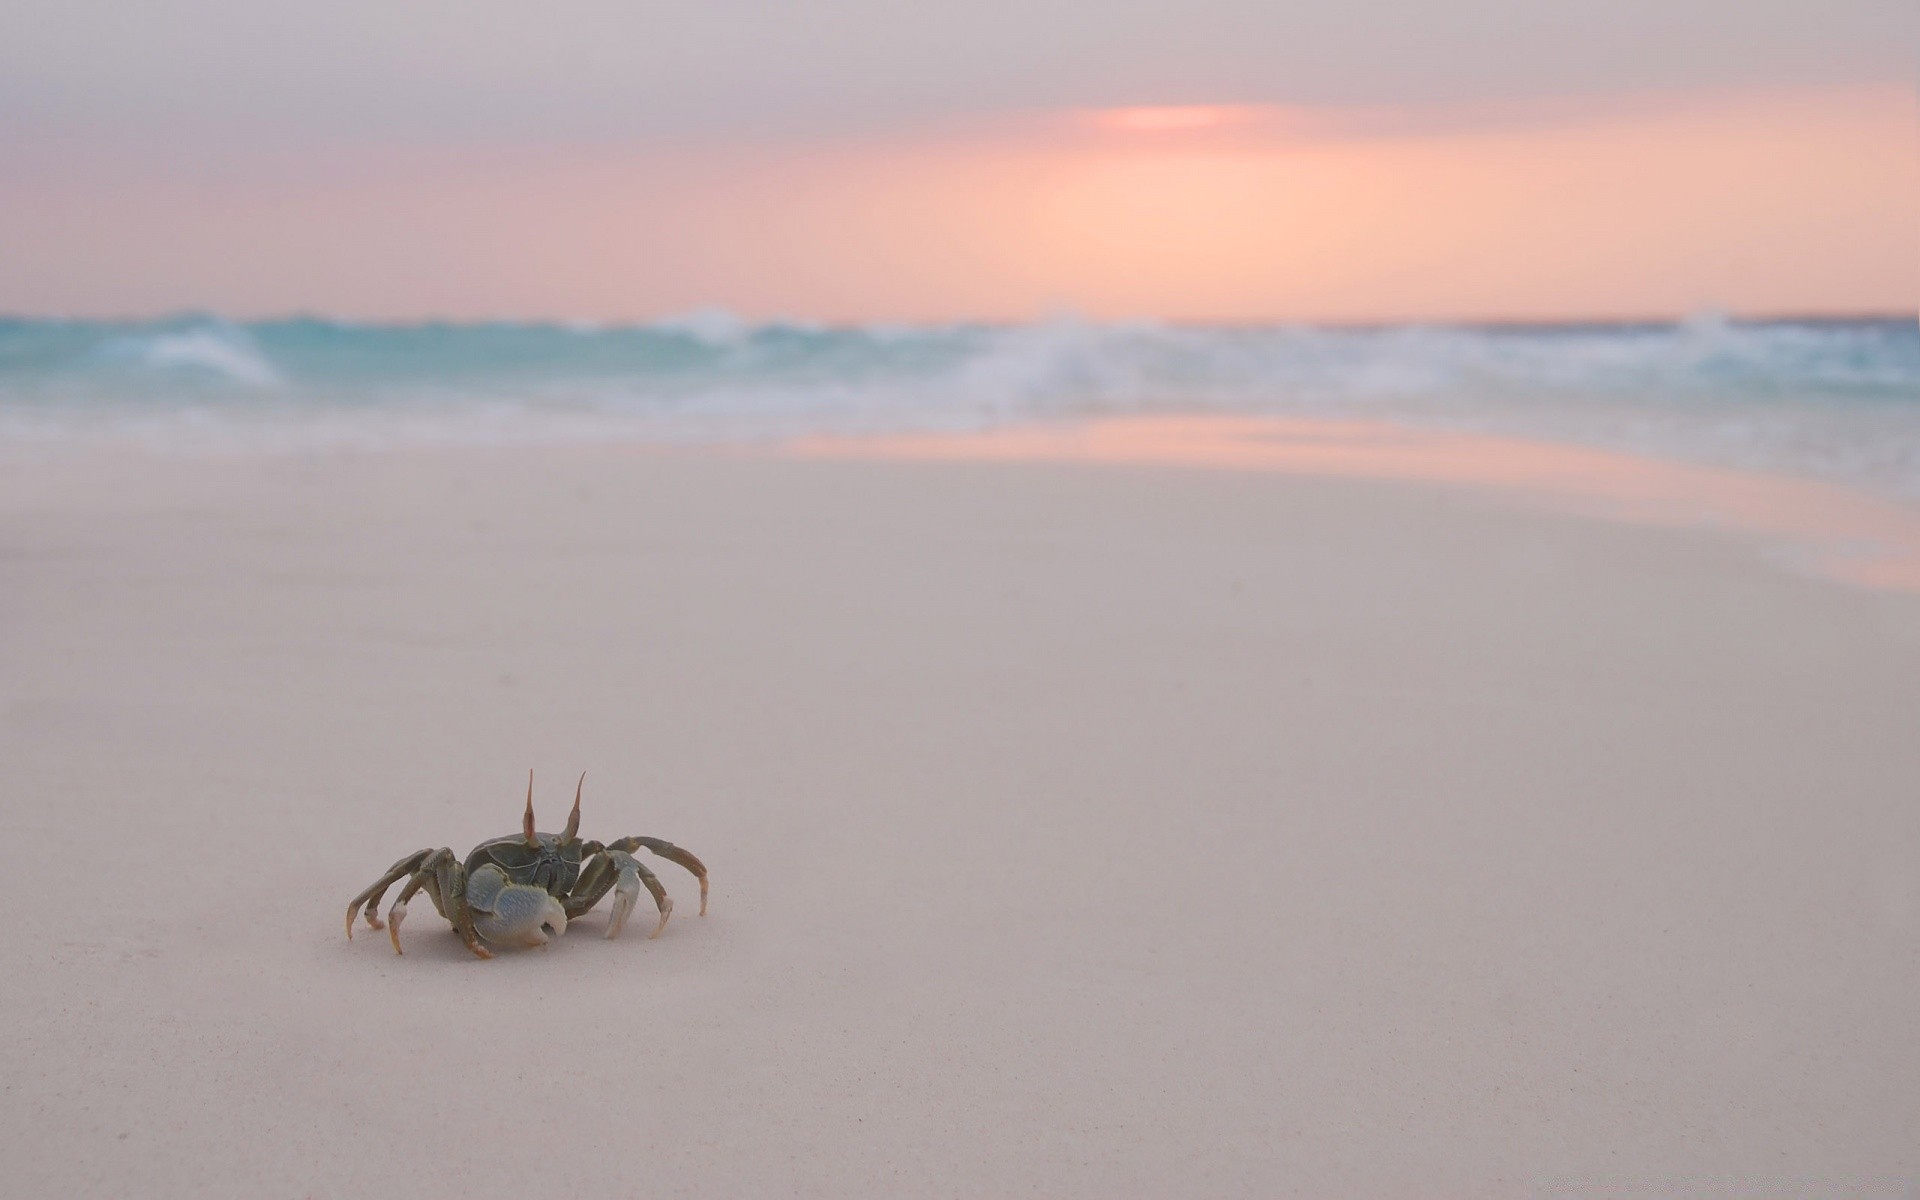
1761	202
1174	119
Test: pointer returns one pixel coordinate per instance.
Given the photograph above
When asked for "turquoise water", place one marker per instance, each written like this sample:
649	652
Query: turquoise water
1838	399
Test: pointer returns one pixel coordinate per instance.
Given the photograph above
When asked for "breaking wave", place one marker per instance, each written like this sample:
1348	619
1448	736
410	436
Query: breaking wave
1834	398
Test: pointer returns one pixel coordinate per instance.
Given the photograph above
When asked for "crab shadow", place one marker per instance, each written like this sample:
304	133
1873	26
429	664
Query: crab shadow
442	947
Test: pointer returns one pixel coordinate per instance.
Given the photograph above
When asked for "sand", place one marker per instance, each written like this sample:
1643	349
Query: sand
1076	830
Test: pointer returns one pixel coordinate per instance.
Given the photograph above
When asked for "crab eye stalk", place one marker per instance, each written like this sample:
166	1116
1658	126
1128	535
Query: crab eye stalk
531	840
573	818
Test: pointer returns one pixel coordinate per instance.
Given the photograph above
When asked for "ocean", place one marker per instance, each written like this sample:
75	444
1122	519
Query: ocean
1832	399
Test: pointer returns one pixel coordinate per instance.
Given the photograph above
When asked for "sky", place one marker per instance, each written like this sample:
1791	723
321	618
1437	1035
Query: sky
1234	160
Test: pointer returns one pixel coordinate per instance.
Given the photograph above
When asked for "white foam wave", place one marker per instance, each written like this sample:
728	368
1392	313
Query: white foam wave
224	351
714	326
1834	399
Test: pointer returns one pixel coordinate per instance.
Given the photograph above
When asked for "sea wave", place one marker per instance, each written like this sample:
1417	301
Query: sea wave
1833	398
219	350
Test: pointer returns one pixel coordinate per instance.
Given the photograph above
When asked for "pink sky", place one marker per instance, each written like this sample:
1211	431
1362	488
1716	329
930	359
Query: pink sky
1781	200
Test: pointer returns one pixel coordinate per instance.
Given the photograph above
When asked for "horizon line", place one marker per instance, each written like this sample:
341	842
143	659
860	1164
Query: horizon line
1836	316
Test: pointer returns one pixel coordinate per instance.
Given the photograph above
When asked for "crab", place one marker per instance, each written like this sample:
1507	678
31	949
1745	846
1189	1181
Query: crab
521	890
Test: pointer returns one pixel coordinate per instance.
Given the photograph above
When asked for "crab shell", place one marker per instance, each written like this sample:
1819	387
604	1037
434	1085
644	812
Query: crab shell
514	887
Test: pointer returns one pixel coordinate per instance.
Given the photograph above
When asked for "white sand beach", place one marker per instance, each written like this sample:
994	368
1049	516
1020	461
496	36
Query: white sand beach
1097	829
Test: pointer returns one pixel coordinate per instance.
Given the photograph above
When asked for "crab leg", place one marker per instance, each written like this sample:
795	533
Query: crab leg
445	881
596	879
671	853
632	874
371	897
451	881
426	876
624	874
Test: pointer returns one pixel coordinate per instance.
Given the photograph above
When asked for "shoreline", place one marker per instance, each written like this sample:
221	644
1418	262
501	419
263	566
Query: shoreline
1839	532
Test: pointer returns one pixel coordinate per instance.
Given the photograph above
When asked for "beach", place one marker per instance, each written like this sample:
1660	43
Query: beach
1075	828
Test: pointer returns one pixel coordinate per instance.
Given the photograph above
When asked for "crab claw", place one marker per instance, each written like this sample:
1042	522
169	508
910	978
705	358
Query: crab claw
522	915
